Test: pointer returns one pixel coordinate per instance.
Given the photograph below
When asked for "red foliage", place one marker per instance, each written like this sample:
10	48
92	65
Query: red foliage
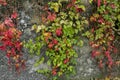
54	41
10	40
51	16
78	9
107	54
66	60
54	72
95	53
73	1
50	45
113	5
98	3
93	29
9	22
3	2
14	15
100	64
101	20
71	4
2	48
18	45
59	31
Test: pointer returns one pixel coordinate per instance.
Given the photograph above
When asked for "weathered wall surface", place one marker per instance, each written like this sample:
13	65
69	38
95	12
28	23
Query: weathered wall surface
86	67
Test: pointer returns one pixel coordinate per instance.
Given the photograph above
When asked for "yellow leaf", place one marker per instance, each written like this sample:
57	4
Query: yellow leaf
90	1
55	6
34	27
47	34
92	18
107	78
40	27
82	7
117	63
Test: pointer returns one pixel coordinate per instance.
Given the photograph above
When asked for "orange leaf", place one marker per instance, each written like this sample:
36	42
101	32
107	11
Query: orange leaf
117	63
2	27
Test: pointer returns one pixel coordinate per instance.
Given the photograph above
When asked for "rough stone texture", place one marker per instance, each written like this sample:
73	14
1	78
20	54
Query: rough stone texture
86	66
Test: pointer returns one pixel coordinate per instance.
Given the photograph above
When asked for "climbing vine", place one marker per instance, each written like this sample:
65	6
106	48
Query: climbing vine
102	34
60	31
10	40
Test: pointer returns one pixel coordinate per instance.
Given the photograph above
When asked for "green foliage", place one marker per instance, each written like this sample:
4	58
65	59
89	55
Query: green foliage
59	34
102	34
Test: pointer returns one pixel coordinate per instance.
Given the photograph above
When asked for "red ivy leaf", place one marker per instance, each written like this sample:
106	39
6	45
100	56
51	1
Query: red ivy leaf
50	45
71	4
66	60
101	64
18	45
110	64
112	5
93	30
98	3
51	16
14	15
78	9
73	1
54	41
13	51
8	55
54	72
2	48
2	2
8	34
9	22
59	31
95	53
8	43
107	53
101	20
95	45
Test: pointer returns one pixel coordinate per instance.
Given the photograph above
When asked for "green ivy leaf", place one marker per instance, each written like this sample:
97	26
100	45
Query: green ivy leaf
70	68
40	27
38	62
76	55
34	27
82	7
48	62
55	6
80	43
43	71
76	31
90	1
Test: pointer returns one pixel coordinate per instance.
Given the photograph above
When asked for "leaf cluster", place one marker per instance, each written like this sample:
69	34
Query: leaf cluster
59	34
